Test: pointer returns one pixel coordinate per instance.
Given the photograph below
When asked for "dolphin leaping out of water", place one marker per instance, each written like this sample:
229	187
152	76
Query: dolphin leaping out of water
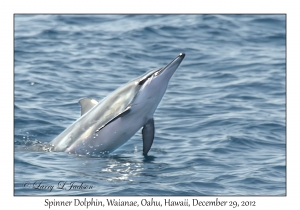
106	125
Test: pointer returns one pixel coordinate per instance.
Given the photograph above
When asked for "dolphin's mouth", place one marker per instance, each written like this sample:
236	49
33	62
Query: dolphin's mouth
176	60
172	66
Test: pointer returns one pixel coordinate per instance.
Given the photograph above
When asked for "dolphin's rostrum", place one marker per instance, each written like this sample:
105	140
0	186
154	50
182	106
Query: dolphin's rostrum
106	125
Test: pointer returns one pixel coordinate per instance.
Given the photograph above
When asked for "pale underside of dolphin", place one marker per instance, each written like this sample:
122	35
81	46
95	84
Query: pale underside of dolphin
106	125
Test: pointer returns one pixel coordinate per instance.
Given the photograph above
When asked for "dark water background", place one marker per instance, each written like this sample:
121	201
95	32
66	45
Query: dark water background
220	128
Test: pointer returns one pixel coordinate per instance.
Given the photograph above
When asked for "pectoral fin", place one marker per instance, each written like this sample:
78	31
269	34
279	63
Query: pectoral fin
86	104
126	111
148	136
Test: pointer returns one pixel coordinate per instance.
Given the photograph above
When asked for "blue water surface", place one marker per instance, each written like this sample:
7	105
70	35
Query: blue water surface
220	128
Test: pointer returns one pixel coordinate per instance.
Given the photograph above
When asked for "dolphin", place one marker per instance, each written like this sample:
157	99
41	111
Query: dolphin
106	125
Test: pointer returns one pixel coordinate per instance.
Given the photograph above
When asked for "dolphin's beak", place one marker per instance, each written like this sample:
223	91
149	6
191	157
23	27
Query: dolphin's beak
169	69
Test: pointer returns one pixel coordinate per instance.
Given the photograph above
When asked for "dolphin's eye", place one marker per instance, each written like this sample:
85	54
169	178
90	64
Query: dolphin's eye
143	80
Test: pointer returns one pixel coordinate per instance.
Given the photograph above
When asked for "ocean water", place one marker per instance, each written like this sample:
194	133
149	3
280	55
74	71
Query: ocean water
220	128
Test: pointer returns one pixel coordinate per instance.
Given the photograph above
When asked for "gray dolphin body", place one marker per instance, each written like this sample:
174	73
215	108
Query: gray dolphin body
106	125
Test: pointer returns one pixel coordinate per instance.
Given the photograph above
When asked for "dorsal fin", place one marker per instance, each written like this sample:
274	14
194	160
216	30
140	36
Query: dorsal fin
86	104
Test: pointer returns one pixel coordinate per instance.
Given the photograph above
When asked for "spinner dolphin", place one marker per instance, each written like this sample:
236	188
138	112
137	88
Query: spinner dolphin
106	125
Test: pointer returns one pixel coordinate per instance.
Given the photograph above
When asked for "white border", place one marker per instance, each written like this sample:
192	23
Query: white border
8	8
